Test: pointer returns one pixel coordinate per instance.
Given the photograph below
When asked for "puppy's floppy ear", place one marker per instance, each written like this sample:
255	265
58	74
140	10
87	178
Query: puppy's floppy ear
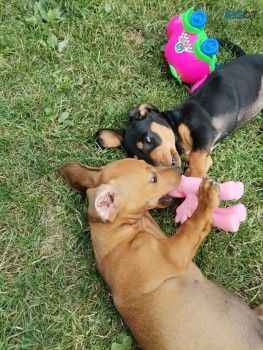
102	203
109	138
140	112
80	177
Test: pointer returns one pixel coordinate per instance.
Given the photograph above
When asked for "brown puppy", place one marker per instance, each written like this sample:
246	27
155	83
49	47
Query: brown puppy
162	296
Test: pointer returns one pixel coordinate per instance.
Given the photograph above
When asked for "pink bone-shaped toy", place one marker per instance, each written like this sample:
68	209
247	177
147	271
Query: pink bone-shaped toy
227	219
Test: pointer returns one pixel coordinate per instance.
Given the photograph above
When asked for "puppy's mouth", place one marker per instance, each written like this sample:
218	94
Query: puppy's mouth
175	161
166	200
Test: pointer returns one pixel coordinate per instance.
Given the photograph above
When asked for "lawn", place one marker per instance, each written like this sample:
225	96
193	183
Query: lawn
67	69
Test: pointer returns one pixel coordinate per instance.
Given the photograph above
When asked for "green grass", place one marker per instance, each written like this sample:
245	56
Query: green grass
51	296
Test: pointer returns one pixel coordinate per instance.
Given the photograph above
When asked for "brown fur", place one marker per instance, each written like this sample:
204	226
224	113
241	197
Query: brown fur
162	296
143	108
199	161
163	154
186	139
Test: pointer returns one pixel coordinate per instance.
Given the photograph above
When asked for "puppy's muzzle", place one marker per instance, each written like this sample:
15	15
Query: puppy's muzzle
167	200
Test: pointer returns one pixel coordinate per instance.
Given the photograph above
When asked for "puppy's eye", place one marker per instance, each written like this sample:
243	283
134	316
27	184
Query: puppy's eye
154	177
148	140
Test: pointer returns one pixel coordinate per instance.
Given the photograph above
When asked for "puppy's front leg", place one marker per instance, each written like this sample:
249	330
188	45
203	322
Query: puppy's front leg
187	239
199	163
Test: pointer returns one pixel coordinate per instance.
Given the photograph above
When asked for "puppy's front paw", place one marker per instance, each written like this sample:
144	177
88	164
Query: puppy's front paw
208	194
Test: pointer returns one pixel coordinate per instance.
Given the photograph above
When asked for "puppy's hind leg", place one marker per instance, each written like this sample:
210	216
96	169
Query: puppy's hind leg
184	244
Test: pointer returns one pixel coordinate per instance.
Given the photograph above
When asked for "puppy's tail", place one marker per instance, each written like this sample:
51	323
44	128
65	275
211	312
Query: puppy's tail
232	47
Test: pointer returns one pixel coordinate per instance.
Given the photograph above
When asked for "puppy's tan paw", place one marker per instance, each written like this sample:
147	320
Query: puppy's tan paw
208	194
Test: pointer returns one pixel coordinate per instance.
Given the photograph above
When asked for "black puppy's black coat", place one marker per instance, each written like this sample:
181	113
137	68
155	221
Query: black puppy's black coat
228	99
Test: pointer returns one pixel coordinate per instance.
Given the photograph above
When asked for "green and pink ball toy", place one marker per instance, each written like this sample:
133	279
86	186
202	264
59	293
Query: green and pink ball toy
190	54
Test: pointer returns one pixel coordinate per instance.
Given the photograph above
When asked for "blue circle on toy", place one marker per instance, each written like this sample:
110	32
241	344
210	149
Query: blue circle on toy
198	19
210	47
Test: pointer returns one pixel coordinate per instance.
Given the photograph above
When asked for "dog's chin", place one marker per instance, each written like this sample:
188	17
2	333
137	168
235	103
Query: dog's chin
166	200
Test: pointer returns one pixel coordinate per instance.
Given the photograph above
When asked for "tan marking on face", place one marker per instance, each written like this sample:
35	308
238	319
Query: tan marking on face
199	163
110	139
186	139
166	151
139	144
143	108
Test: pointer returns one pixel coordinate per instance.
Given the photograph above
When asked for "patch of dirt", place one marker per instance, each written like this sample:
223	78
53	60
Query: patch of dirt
52	244
133	38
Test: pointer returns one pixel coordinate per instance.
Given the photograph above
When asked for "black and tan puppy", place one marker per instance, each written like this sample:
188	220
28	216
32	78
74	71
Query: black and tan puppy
230	98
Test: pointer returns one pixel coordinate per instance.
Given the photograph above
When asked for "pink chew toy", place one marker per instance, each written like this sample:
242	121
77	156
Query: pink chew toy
227	219
190	54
